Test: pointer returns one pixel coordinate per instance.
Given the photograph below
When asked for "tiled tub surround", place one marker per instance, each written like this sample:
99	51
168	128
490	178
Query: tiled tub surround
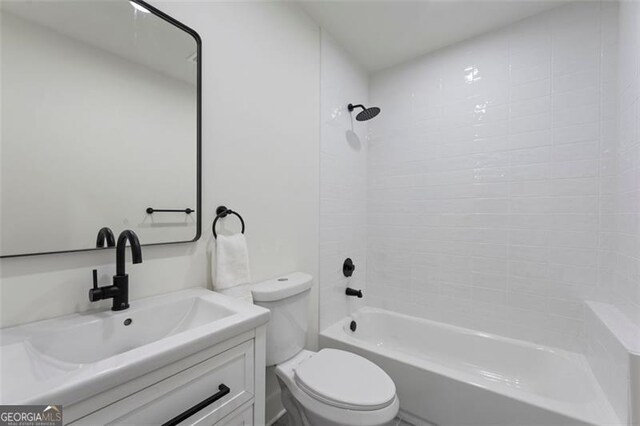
621	204
613	351
343	174
484	178
613	328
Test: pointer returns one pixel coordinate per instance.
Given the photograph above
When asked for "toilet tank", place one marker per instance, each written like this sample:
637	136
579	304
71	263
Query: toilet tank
287	298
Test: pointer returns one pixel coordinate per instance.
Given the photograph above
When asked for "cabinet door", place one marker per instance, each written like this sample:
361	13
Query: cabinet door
242	417
211	389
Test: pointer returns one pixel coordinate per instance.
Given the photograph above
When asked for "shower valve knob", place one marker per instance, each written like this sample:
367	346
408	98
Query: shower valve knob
348	267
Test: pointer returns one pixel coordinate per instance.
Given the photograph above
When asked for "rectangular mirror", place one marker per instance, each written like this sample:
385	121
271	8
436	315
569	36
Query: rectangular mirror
100	125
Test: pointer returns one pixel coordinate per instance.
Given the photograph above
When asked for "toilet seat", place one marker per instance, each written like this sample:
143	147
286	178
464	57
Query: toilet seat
345	380
328	413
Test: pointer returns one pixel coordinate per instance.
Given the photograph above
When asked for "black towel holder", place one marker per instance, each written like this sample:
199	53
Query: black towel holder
151	210
222	211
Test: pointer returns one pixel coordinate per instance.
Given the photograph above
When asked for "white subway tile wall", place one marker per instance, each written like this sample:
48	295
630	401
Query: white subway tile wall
621	184
497	198
610	363
620	222
343	177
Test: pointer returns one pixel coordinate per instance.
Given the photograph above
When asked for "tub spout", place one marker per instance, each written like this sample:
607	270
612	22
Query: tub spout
354	292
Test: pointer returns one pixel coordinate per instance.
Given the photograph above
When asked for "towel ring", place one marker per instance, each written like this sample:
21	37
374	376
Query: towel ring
222	211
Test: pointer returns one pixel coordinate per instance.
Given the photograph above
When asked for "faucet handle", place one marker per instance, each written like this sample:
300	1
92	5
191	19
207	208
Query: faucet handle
95	293
348	267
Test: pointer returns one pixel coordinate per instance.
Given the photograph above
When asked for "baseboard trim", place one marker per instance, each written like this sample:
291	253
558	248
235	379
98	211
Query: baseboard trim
415	421
277	417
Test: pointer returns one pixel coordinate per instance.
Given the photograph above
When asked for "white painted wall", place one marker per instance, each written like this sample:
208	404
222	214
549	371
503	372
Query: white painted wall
484	177
260	157
66	171
343	176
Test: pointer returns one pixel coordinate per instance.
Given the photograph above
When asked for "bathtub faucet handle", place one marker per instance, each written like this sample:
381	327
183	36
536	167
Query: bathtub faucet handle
348	267
354	292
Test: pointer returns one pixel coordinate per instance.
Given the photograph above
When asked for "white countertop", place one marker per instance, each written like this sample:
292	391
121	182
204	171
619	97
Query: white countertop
70	358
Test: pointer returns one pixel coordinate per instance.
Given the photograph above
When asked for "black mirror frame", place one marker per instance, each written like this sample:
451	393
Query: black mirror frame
198	211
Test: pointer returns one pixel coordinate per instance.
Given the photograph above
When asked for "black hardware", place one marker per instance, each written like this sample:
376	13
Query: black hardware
105	235
198	209
151	210
348	267
222	391
105	292
366	113
221	212
353	292
136	251
95	293
353	326
128	321
119	291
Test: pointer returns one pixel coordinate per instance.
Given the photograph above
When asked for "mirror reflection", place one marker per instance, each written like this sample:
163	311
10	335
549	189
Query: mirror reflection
99	124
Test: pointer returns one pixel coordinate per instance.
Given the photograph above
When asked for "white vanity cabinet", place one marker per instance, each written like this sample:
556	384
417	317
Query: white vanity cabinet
222	385
192	354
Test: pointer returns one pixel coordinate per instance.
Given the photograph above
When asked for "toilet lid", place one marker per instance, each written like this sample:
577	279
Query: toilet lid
345	380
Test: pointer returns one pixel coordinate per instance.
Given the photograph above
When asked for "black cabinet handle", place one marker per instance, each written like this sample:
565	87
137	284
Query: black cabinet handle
222	391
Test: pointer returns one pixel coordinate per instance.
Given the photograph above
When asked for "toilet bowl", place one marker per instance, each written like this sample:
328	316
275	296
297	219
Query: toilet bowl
336	388
326	388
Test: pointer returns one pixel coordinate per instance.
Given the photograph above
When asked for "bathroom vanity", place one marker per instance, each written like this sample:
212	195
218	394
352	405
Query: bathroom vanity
187	357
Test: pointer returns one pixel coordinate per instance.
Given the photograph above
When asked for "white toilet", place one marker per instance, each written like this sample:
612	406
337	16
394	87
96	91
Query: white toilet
325	388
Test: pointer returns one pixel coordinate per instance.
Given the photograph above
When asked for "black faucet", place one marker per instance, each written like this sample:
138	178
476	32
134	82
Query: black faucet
119	291
105	235
353	292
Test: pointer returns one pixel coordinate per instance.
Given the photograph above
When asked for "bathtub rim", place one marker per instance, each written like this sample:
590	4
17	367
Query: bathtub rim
338	332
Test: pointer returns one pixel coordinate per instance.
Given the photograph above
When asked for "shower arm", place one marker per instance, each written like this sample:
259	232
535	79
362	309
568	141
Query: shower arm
352	107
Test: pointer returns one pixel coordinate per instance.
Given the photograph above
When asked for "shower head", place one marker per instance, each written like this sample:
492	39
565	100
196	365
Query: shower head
366	113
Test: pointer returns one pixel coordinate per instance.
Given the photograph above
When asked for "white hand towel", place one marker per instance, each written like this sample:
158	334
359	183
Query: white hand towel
232	261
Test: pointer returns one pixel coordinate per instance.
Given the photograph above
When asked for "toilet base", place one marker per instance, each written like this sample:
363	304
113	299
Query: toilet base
295	416
298	416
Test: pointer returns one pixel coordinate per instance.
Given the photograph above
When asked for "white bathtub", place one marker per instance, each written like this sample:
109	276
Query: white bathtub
450	375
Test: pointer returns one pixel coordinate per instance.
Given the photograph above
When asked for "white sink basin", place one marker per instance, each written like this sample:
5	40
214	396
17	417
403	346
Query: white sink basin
70	358
106	334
